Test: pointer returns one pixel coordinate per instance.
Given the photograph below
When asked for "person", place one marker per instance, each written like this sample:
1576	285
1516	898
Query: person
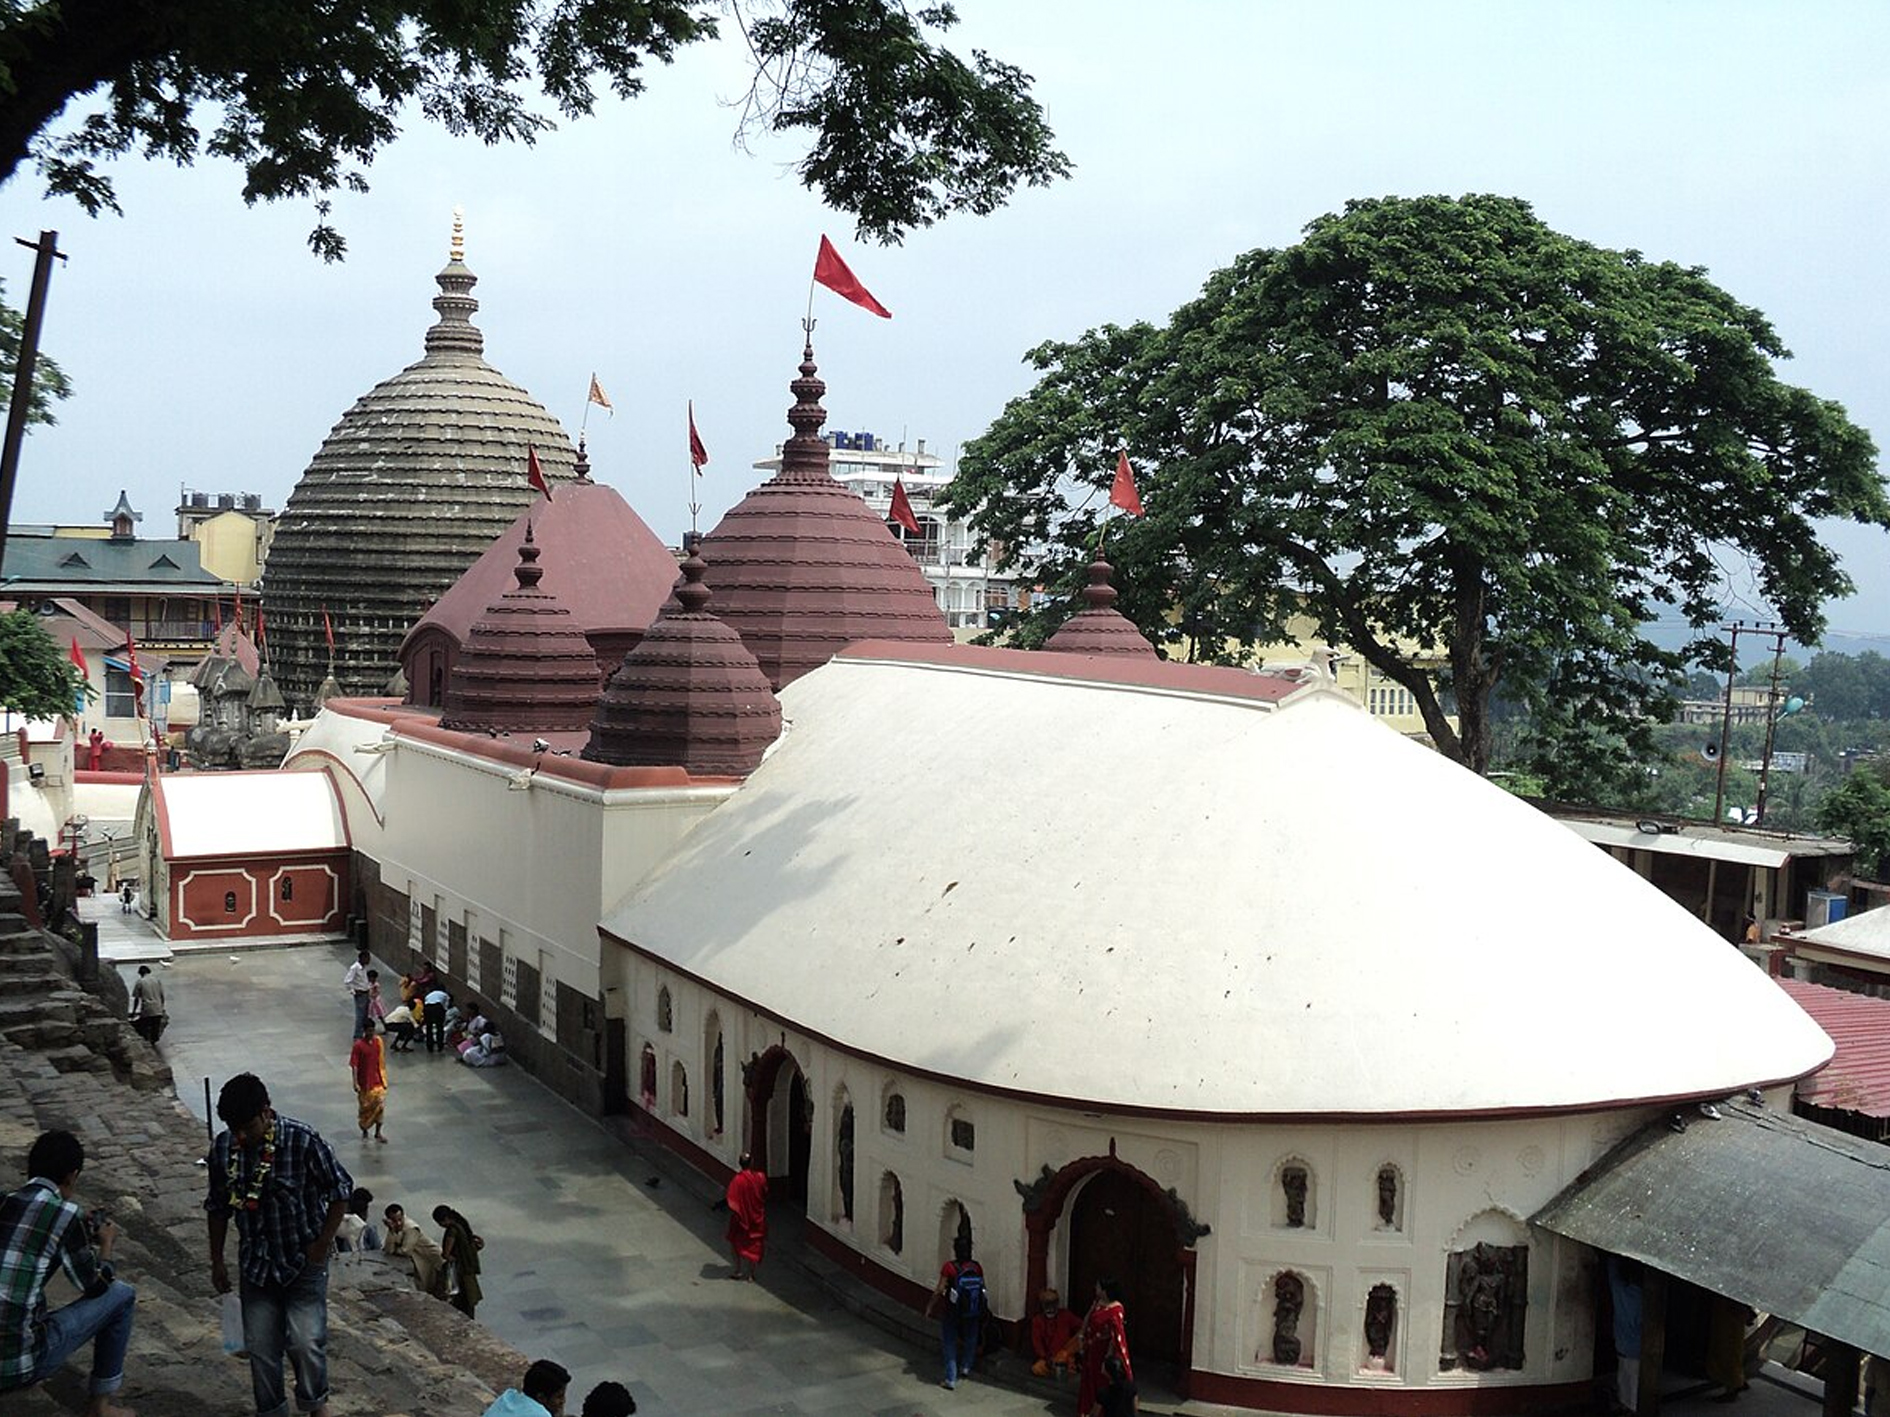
437	1001
958	1303
543	1392
147	1006
747	1198
424	980
609	1399
367	1061
414	1244
126	895
459	1248
485	1051
357	1234
287	1194
1624	1290
375	1008
43	1227
1105	1347
355	981
1054	1332
400	1023
94	751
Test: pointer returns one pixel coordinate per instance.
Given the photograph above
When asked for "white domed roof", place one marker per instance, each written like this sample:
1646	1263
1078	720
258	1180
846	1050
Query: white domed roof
1146	898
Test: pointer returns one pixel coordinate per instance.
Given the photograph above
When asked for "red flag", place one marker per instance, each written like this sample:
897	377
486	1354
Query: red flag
78	661
535	474
832	272
698	454
136	676
1122	492
902	507
328	632
259	627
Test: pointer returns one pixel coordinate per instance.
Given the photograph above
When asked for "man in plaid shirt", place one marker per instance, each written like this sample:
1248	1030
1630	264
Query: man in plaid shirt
280	1182
42	1226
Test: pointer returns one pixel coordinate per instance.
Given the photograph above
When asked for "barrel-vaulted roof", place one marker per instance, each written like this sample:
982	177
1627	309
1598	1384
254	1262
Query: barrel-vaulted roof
1144	890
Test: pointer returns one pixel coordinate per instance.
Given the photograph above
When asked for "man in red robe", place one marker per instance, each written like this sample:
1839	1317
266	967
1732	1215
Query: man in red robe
747	1216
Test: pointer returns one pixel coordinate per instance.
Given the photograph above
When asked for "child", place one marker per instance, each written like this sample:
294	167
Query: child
376	1009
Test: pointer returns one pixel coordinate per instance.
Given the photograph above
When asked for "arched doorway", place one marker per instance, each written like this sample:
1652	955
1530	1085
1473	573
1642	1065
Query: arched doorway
1119	1231
780	1123
1124	1226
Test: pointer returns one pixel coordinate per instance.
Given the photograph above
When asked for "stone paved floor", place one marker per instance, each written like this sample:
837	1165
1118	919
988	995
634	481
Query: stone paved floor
584	1262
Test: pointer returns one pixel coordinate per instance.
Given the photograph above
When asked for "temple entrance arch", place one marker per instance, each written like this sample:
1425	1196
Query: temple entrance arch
780	1122
1122	1226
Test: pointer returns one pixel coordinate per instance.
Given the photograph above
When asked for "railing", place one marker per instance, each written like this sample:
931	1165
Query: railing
174	630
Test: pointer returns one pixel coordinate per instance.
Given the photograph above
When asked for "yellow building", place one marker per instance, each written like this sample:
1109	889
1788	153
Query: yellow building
232	531
1303	649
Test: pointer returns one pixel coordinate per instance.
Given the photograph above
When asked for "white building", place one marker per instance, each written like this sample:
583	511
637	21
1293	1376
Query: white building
970	590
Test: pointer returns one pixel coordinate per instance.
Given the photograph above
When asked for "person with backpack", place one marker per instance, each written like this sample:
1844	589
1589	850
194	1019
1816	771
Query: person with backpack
959	1303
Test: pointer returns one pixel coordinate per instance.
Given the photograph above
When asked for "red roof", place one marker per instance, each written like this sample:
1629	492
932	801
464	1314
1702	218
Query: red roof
602	562
1858	1078
1099	628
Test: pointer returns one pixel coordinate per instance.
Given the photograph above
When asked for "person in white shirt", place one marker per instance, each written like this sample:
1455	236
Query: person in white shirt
355	981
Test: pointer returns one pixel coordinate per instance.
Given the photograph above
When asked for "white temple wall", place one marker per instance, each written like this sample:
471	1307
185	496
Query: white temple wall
1455	1184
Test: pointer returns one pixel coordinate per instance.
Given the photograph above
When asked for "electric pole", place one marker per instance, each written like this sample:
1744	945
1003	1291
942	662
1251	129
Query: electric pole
47	248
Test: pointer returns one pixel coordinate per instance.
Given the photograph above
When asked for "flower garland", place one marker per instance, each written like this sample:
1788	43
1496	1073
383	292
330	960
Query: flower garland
260	1177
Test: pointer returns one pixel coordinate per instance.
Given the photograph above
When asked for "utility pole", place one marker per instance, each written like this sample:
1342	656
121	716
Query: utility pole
1771	727
47	248
1725	722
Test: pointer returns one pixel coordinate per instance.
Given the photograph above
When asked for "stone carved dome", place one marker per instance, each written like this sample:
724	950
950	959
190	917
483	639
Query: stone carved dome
408	489
691	695
802	567
1100	628
526	666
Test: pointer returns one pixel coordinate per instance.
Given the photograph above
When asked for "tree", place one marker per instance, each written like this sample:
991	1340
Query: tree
1438	422
304	96
1859	808
49	380
36	677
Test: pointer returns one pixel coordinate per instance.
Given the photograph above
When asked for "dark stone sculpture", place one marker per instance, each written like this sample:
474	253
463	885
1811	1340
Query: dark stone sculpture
1381	1312
1289	1297
1388	1197
1486	1305
1293	1181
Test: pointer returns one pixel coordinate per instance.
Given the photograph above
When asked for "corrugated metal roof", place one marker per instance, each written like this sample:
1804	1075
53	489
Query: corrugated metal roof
1865	933
1858	1078
1770	1209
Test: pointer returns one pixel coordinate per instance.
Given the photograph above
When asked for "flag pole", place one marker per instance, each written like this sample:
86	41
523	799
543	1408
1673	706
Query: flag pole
585	417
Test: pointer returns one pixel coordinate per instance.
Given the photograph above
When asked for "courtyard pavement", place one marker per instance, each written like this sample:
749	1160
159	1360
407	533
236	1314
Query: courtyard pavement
586	1261
601	1253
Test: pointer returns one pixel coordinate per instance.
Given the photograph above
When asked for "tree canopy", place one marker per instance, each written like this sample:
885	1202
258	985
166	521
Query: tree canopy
36	677
1859	808
1437	422
49	380
303	96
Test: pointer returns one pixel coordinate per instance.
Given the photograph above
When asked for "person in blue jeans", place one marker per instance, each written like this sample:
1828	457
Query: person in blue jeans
959	1302
43	1228
281	1184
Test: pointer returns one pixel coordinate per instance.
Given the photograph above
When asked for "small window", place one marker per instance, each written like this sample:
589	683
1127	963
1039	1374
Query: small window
229	902
288	888
892	1213
665	1010
678	1089
895	1111
960	1131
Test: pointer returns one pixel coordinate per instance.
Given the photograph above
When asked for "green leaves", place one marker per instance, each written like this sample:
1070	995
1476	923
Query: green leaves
1437	424
36	677
304	96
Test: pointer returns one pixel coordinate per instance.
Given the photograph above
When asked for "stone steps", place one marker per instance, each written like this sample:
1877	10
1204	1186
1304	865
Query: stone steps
37	982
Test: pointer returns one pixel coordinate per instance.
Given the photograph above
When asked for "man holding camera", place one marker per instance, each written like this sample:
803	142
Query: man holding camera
42	1226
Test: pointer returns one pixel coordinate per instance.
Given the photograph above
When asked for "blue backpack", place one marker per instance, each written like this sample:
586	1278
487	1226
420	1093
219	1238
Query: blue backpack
967	1292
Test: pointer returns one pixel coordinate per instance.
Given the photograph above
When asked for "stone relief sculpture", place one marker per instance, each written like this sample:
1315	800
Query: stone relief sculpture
1381	1315
1387	1198
1293	1181
1486	1298
1289	1298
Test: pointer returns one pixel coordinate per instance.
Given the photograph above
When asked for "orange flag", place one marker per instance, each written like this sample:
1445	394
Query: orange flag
535	474
1122	491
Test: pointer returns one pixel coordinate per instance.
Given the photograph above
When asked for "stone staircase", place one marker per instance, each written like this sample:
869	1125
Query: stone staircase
46	1009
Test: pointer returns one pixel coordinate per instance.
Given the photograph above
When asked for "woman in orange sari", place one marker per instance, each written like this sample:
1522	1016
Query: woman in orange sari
367	1061
747	1198
1105	1348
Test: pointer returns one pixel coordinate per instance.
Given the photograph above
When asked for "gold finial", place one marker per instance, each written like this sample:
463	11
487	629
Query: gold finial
459	234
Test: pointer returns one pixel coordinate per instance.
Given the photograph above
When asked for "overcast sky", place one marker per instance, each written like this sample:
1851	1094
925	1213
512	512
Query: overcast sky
209	348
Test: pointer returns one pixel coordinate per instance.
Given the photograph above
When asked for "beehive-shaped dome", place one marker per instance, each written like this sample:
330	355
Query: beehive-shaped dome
691	695
1100	628
406	491
801	567
526	666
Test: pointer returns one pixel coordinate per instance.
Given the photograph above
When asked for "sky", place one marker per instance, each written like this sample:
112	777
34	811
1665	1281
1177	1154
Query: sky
209	348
